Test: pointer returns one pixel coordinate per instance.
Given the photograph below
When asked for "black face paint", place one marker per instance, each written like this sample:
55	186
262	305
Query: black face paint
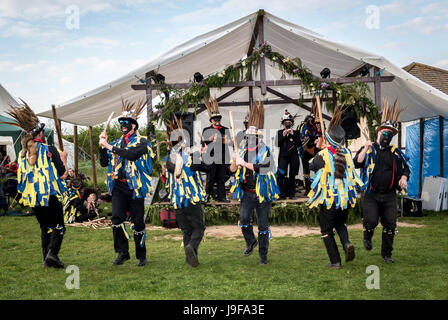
288	125
385	139
126	126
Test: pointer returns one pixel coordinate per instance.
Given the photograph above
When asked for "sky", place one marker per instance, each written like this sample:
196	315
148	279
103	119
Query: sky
54	50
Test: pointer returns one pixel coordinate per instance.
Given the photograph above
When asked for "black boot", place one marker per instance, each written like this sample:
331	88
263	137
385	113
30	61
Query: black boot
368	234
45	242
332	251
251	242
122	257
191	256
52	259
387	245
263	240
349	248
121	244
140	247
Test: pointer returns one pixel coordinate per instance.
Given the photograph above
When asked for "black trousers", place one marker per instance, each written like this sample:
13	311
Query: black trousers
217	175
191	221
380	207
330	219
287	185
250	204
122	203
51	221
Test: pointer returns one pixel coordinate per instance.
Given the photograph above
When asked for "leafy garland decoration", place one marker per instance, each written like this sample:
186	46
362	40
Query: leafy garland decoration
356	95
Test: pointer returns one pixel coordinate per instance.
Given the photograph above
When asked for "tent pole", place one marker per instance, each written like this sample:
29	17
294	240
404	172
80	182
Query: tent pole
262	59
92	154
399	136
75	145
422	131
441	144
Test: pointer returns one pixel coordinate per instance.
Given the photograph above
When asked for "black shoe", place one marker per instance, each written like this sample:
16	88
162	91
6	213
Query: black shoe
336	265
223	200
292	197
192	258
349	249
122	257
388	259
368	244
282	198
142	262
52	260
263	260
250	248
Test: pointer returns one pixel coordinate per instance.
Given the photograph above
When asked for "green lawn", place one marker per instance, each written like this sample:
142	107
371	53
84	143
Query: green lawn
295	271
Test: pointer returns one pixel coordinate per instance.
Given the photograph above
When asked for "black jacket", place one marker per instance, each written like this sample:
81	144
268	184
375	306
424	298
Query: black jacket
288	144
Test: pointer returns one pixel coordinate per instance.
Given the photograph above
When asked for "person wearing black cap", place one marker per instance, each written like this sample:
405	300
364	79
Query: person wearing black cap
128	160
333	189
288	141
40	178
217	139
384	171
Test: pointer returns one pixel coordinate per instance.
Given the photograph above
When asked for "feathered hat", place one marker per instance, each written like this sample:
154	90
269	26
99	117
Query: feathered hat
27	120
390	116
212	108
256	118
174	131
288	116
336	134
131	115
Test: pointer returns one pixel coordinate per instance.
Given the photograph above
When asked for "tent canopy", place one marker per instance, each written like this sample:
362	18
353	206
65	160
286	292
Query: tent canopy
213	51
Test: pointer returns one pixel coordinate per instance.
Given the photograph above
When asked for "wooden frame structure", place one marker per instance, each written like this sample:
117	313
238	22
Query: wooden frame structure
266	85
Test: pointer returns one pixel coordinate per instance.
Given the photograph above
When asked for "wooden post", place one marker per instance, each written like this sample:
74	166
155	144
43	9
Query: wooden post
377	87
441	145
262	60
57	124
148	104
420	174
75	146
92	154
399	136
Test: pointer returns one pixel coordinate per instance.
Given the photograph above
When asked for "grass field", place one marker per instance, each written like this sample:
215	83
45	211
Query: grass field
296	267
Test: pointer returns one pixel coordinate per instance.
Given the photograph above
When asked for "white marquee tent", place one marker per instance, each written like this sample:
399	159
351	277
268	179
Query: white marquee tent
213	51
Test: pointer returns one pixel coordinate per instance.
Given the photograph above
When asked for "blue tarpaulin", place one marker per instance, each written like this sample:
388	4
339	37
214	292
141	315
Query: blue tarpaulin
431	152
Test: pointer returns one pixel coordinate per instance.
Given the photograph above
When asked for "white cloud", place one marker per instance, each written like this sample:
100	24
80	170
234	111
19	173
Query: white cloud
442	64
395	7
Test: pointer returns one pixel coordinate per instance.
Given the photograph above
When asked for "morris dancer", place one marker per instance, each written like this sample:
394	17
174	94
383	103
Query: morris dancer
334	188
128	162
186	190
384	171
255	184
40	182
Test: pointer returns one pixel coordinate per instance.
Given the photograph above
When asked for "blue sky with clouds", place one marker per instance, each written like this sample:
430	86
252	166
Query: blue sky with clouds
44	62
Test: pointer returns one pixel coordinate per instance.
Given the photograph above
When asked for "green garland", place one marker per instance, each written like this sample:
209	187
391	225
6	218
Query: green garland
356	95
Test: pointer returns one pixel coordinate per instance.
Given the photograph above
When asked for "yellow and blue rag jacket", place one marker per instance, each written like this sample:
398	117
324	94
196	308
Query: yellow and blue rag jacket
190	188
38	182
370	161
324	189
266	186
70	211
138	172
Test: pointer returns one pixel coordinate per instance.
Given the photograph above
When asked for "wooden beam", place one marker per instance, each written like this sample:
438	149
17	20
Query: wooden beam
399	136
92	154
422	140
441	145
253	39
273	83
293	101
75	146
